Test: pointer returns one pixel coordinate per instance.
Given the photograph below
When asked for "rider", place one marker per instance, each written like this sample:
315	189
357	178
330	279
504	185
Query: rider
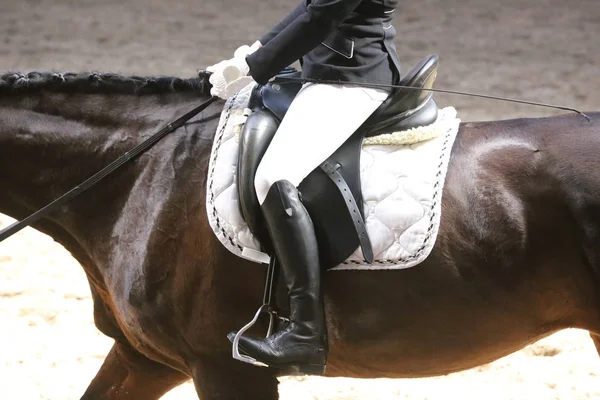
341	40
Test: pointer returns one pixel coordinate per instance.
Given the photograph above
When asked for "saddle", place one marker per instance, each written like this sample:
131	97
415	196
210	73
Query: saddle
332	192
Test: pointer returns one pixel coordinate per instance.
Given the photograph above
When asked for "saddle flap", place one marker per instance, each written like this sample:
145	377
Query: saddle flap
335	229
255	138
334	225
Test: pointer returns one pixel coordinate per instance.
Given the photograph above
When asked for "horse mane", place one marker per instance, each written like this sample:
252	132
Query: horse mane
93	82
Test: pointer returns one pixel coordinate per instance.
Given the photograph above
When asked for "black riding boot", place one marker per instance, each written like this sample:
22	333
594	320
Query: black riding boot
303	343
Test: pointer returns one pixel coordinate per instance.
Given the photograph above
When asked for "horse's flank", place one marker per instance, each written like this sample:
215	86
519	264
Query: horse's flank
516	258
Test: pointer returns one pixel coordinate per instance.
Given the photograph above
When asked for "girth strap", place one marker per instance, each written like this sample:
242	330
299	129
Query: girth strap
357	219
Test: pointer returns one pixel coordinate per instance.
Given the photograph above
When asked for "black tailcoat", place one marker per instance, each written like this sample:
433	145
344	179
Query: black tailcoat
346	40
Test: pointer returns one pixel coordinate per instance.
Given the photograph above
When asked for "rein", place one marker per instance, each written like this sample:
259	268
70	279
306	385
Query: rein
106	171
483	96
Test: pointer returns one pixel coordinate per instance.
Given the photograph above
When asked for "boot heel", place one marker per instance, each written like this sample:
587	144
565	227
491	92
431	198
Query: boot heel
312	369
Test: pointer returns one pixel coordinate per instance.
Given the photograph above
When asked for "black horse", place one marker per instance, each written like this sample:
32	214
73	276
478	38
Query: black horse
517	257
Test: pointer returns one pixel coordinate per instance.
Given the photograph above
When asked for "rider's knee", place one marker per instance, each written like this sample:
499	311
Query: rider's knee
263	180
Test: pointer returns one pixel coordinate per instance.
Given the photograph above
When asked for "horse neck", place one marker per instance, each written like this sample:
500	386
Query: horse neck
50	142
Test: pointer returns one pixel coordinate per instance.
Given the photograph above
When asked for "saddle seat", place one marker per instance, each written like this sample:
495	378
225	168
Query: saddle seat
338	222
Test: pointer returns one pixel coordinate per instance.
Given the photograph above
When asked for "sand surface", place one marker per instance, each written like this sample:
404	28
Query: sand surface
541	50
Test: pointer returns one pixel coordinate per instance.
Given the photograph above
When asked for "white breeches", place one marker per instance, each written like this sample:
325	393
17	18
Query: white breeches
320	119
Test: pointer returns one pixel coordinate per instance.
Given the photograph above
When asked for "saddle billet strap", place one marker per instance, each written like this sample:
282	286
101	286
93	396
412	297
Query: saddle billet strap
355	214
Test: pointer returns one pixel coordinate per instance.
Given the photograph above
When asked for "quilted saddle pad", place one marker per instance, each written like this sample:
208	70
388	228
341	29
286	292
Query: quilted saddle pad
402	178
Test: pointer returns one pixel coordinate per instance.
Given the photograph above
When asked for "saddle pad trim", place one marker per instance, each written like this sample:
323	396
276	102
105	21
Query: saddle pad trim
216	146
222	228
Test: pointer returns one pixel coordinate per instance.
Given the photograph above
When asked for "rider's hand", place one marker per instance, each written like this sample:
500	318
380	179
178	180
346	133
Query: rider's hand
230	76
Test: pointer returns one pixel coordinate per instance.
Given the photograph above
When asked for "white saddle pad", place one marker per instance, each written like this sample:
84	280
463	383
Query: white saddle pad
401	185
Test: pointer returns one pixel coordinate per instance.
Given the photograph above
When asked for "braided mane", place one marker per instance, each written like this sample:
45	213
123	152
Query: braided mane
21	83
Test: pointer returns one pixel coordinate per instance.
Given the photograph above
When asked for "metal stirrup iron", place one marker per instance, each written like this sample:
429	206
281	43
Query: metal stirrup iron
267	307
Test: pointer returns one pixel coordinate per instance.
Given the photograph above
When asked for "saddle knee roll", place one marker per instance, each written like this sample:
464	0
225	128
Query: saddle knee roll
255	138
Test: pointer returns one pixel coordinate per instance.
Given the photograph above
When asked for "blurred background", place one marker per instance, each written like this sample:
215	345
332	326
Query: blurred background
539	50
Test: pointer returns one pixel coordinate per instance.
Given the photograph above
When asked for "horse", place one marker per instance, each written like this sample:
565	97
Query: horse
517	257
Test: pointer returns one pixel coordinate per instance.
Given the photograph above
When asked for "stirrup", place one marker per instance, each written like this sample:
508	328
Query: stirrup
267	307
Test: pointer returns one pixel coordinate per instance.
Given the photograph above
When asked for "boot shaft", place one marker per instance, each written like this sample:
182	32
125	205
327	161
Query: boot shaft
293	237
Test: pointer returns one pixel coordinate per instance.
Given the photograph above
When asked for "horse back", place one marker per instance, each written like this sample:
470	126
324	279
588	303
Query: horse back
522	197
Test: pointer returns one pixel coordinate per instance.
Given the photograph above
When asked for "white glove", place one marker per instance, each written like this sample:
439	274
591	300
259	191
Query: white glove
230	76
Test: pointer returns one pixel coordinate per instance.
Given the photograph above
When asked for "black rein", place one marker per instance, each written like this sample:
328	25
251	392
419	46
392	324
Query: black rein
106	171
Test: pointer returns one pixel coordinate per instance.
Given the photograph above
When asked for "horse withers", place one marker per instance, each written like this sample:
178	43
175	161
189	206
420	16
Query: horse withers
516	257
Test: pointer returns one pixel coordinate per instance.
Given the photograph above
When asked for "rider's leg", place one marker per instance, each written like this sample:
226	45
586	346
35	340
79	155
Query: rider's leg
319	121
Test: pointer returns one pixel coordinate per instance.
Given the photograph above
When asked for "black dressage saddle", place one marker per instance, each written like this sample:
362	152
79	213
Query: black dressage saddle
332	192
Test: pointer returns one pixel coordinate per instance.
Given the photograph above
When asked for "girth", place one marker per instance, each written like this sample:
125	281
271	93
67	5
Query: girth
332	192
